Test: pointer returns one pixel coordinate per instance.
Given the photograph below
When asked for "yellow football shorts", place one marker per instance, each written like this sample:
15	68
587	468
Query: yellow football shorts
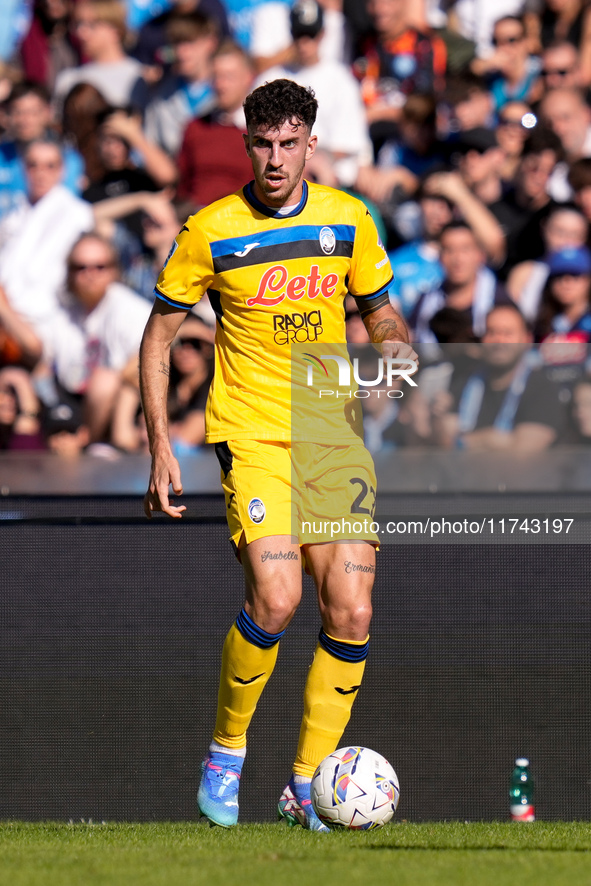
316	493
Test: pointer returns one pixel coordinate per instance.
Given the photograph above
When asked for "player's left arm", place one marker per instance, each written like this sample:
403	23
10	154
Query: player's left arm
387	329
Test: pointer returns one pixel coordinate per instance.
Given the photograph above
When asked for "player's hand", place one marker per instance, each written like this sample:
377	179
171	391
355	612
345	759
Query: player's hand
165	472
399	350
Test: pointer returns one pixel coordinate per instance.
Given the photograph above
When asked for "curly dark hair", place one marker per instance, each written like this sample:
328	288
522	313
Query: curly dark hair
270	105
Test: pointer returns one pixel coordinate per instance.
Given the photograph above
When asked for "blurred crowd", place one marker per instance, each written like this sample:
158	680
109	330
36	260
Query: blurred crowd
465	128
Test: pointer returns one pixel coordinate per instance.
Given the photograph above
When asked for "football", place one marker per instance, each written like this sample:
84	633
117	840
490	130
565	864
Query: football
355	788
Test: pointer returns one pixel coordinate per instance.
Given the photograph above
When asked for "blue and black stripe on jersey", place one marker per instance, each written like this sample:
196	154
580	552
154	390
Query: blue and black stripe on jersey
302	241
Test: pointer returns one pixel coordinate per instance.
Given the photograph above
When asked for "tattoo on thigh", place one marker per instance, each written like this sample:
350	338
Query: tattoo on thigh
358	567
279	555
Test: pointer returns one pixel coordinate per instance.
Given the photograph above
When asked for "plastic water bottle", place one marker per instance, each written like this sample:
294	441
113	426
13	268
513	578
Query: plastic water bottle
522	792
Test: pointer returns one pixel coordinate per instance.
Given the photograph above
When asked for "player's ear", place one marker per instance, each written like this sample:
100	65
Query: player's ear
311	147
246	139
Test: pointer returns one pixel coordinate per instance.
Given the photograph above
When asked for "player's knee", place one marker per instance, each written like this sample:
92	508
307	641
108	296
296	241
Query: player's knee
350	620
274	613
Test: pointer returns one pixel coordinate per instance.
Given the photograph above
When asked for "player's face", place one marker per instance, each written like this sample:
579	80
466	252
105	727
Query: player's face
278	158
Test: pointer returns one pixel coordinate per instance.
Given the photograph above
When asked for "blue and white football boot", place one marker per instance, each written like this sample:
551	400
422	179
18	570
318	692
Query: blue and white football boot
295	806
217	798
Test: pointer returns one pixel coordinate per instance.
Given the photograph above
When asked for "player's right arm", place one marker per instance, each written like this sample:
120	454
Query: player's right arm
161	328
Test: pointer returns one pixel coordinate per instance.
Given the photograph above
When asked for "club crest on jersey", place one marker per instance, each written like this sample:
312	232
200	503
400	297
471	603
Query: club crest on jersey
328	241
256	510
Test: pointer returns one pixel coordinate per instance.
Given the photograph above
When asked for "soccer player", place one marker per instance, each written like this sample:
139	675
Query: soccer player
278	256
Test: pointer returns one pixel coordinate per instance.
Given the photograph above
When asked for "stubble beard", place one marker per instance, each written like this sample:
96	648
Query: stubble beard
276	199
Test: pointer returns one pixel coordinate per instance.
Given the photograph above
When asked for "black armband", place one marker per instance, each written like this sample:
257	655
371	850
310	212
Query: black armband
367	305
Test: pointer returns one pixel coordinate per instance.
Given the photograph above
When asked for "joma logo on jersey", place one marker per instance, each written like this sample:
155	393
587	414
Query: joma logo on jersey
290	328
277	279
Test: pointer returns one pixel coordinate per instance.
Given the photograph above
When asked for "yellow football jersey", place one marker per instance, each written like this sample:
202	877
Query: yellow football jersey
277	282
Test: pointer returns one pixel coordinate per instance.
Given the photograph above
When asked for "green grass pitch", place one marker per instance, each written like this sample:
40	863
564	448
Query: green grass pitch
404	854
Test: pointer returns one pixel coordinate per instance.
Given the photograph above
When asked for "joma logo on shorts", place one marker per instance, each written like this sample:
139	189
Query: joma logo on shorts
295	327
276	279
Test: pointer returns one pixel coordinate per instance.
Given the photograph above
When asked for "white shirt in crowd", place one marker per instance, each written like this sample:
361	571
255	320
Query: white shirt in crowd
341	124
75	342
271	32
114	80
35	241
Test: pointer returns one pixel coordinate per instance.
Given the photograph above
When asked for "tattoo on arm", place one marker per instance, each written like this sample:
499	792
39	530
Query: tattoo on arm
164	369
358	567
385	330
279	555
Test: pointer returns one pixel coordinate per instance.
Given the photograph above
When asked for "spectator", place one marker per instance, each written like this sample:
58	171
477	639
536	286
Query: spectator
402	60
416	265
271	42
416	146
117	133
530	199
468	285
512	71
580	429
212	160
186	91
36	237
471	188
480	160
579	178
64	430
142	260
507	404
152	40
19	345
565	226
560	66
100	29
84	107
343	140
191	372
131	161
513	127
20	427
468	102
476	23
567	113
569	20
565	310
381	429
47	48
29	118
93	333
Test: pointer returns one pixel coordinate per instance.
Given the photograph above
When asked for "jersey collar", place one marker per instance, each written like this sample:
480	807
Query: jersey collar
249	194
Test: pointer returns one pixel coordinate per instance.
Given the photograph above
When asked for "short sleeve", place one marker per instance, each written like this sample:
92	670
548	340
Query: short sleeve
188	270
371	273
